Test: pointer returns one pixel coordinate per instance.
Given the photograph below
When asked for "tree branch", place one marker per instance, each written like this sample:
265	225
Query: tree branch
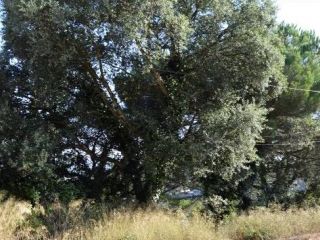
158	79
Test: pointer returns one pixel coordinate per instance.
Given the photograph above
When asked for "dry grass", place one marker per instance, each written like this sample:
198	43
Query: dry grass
12	213
156	225
273	224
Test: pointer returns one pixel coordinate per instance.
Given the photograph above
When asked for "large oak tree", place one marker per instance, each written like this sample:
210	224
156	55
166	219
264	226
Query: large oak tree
116	99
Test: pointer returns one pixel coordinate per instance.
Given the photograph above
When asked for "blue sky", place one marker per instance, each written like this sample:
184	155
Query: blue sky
303	13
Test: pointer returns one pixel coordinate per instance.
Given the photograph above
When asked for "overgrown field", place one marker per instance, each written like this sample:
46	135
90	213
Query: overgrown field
19	221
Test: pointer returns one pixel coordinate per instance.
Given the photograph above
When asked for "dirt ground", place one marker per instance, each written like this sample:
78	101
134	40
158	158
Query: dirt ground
306	237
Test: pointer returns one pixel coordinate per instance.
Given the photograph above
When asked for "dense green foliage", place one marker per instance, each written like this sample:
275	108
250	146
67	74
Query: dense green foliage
287	171
115	100
291	138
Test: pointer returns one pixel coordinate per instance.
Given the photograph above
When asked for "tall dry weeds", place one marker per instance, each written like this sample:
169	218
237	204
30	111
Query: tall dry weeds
12	213
77	222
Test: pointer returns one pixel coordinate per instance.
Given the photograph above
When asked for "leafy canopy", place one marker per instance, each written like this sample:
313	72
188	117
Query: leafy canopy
128	96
